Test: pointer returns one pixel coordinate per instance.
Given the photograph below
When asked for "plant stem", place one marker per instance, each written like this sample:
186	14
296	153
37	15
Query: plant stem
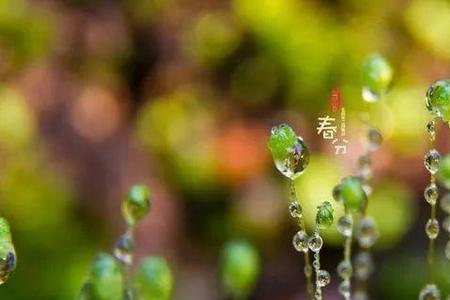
301	225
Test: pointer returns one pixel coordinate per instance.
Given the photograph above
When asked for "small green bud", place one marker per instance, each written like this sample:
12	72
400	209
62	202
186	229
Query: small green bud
240	268
153	280
324	217
281	140
437	99
106	278
136	204
351	193
377	76
444	171
289	152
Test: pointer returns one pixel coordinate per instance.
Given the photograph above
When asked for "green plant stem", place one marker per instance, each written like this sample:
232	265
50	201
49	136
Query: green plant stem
301	225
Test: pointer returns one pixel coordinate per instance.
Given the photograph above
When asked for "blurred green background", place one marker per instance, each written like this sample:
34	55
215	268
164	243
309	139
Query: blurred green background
180	95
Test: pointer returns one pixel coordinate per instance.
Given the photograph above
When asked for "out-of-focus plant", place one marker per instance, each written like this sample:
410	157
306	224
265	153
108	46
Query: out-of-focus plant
291	157
111	278
437	101
240	268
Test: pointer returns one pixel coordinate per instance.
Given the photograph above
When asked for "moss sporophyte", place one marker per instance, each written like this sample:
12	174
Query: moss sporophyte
111	278
437	102
291	157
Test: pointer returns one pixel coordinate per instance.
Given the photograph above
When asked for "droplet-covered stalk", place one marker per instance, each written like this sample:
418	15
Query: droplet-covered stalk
291	157
350	193
437	101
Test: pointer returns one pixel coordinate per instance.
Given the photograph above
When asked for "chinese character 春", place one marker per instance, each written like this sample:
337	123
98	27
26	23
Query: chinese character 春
326	127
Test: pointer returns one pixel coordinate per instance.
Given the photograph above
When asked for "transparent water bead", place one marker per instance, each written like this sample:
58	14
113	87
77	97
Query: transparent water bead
446	224
300	241
323	278
437	99
8	257
363	265
289	152
431	193
345	269
345	225
123	249
364	167
430	292
315	242
7	261
344	288
431	129
136	204
295	209
377	76
431	160
445	203
367	232
432	229
447	250
374	138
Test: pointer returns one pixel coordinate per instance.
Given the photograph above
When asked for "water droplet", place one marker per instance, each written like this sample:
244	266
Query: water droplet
289	152
447	250
374	139
315	242
363	265
136	204
446	224
366	232
437	99
364	167
154	279
430	292
300	241
345	225
337	193
296	162
345	269
106	278
431	129
323	278
445	203
431	193
431	160
344	288
432	228
7	260
295	209
352	194
123	249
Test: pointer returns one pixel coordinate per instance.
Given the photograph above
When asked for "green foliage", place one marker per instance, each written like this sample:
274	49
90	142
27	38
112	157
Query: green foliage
153	280
240	268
